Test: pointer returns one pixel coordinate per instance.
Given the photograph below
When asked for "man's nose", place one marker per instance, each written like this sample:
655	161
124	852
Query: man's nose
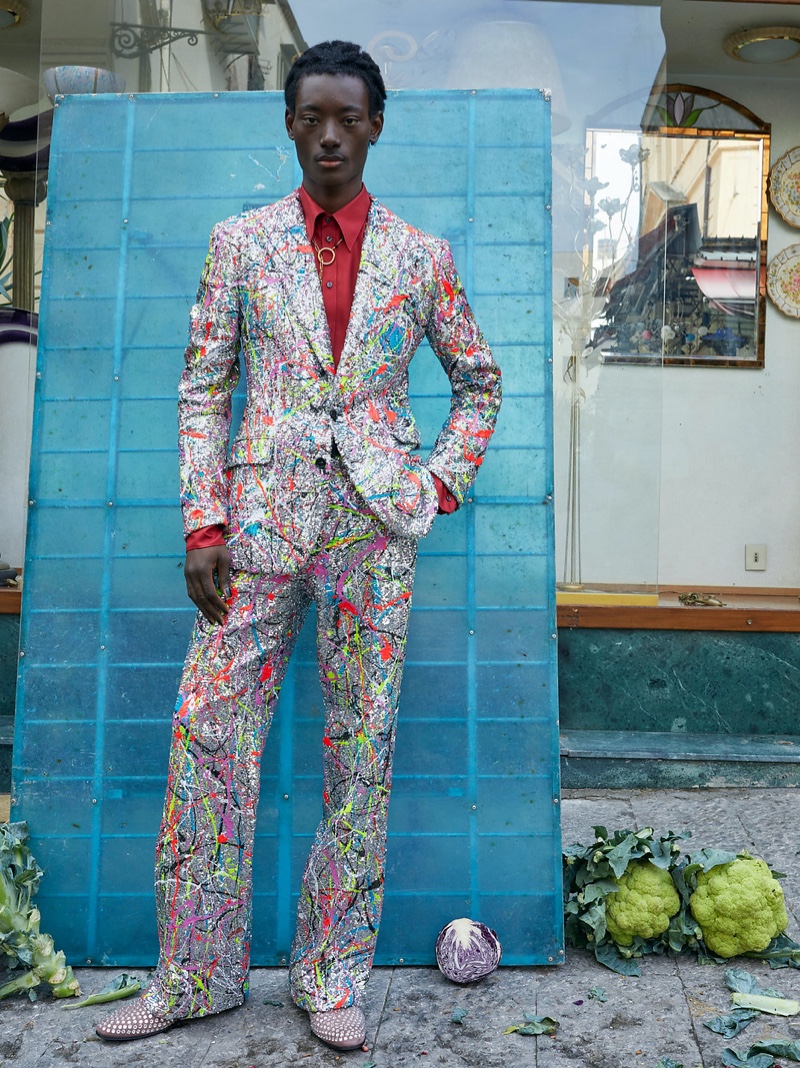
330	134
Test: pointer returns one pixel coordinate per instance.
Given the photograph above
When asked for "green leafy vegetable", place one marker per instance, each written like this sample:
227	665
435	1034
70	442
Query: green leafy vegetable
598	993
20	938
667	1062
121	987
731	1025
643	903
787	1051
458	1015
533	1025
765	1003
731	1059
607	905
739	906
742	982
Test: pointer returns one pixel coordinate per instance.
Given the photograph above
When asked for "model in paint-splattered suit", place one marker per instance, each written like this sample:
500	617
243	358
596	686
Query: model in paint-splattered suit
322	498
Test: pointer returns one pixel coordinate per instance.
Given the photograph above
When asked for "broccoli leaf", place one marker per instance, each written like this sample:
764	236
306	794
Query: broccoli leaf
782	952
534	1025
598	993
610	956
743	982
458	1015
667	1062
122	987
729	1026
787	1051
621	855
710	858
731	1059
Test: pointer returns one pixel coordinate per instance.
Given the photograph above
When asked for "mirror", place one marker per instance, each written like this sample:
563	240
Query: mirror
681	234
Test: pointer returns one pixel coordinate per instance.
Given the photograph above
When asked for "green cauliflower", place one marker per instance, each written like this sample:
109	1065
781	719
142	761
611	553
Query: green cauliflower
739	906
643	905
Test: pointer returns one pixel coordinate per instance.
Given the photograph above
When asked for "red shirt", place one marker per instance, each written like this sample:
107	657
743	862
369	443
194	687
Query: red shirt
343	234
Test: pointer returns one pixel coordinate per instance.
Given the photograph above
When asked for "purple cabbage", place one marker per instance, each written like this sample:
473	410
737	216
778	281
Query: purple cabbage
467	951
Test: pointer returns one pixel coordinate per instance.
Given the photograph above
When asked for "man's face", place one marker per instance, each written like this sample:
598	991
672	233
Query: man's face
332	130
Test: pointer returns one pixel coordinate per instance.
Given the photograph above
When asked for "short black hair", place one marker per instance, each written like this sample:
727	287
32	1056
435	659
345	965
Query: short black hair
337	57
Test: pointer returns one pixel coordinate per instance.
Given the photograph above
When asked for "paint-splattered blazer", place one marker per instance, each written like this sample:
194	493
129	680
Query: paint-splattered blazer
260	292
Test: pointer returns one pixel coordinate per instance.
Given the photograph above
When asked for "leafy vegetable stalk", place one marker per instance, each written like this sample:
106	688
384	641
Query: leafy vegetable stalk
20	938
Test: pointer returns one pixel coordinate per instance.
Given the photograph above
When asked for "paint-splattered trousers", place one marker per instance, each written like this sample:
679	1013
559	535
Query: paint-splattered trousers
360	576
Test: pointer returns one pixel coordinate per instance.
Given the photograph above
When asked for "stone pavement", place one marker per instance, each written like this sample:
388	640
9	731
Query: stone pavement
410	1010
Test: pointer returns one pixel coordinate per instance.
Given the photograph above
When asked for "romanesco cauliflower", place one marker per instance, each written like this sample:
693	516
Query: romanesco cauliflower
643	904
739	906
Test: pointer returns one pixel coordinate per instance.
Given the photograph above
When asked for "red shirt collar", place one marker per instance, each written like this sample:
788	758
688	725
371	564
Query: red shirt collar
351	218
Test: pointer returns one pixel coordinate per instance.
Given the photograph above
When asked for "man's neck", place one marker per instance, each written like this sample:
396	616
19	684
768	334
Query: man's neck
332	200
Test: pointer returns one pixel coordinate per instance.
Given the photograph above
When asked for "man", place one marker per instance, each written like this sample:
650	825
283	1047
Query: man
327	294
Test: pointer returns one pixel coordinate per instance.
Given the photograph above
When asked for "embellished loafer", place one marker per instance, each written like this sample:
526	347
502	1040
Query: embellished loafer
131	1021
340	1028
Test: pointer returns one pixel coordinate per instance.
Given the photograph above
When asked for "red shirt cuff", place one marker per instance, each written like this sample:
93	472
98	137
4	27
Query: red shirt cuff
447	502
204	538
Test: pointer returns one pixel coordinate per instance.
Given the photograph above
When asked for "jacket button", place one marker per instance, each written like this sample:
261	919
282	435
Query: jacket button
320	463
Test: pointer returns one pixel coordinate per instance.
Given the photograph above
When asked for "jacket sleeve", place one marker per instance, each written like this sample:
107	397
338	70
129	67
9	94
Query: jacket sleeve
210	375
474	379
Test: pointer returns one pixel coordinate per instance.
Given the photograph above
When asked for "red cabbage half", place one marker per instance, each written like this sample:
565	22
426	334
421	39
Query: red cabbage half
467	951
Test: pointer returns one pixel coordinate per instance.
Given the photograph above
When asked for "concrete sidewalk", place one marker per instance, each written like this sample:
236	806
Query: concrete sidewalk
410	1010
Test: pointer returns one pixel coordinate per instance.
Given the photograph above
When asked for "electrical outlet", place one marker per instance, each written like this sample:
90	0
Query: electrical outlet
755	558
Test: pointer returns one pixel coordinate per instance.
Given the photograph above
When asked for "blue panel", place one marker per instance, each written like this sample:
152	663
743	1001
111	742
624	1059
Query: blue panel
135	187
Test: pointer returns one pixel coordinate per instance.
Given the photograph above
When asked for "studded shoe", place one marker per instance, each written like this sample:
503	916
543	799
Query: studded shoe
340	1028
131	1021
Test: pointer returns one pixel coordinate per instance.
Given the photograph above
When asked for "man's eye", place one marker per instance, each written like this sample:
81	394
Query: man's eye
350	121
310	120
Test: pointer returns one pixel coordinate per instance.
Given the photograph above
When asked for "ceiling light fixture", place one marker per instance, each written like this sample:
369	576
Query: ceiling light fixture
764	44
12	13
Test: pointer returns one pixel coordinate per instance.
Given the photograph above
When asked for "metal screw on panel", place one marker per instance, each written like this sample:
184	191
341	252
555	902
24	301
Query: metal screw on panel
285	797
49	222
88	960
549	960
472	632
549	497
94	800
547	207
474	808
216	95
21	653
561	952
749	622
102	647
13	801
472	220
116	378
283	960
553	635
469	500
125	221
555	800
473	92
31	504
131	96
110	504
38	374
401	960
550	360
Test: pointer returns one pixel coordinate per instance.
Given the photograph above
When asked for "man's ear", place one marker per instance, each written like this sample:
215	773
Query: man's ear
376	125
289	120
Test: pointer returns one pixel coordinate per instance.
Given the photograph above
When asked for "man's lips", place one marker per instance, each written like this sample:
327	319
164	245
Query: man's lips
330	161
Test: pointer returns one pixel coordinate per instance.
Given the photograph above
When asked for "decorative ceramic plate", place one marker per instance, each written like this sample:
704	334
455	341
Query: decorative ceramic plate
783	281
784	186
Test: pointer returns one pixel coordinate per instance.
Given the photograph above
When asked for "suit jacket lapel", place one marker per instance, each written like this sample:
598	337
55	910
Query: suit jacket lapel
375	282
303	289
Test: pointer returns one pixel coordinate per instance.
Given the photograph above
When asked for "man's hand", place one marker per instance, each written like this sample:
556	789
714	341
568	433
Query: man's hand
206	571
